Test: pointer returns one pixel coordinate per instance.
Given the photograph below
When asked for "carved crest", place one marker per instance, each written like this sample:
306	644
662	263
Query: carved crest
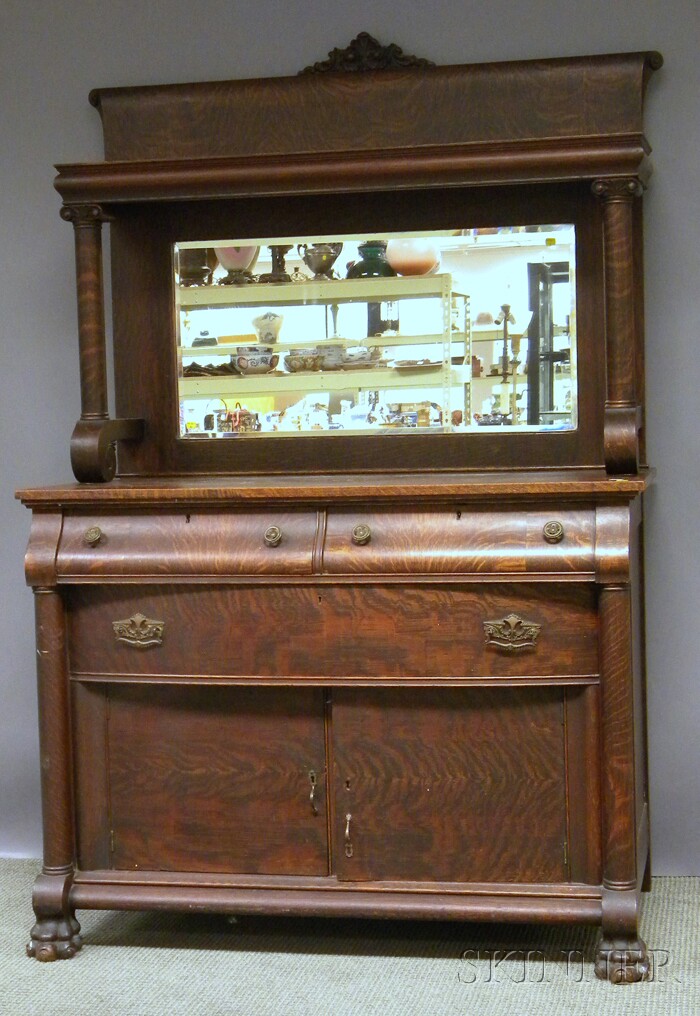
139	631
366	54
511	633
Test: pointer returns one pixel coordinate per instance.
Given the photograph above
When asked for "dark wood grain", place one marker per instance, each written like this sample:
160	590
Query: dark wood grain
142	239
450	784
482	782
89	716
586	96
174	543
87	221
217	779
618	749
458	541
420	632
515	487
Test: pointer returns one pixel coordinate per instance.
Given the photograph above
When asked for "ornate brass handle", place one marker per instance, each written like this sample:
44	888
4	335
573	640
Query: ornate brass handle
361	534
92	536
348	842
273	536
312	795
553	531
139	631
511	633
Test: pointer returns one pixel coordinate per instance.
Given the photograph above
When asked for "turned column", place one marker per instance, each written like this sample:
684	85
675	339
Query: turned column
622	410
56	932
87	224
93	452
621	954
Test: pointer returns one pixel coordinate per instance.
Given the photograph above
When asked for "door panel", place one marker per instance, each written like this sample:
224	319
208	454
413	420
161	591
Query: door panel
450	785
216	779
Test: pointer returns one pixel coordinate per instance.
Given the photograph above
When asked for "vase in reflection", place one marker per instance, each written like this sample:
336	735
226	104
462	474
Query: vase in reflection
195	265
238	263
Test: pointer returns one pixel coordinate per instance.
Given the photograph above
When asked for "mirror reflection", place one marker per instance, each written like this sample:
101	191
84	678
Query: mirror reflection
463	331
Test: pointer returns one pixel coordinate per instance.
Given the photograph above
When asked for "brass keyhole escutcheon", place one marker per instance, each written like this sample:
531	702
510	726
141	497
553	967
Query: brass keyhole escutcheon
92	536
553	531
273	536
361	534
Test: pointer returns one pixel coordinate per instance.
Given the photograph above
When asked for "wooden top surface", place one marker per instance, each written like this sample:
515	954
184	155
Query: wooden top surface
582	484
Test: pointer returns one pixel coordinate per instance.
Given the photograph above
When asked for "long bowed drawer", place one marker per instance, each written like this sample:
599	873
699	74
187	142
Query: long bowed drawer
449	542
335	632
179	544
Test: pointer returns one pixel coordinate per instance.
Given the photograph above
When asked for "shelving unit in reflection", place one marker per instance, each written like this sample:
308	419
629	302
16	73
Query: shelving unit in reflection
385	354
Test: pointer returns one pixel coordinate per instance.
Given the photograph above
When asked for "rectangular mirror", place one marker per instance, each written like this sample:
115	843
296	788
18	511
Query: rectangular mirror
464	331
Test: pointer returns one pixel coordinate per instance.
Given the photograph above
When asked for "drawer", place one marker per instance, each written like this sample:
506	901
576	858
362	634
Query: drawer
459	541
187	543
335	632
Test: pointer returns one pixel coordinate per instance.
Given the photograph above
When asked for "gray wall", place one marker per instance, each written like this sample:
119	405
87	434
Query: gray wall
51	55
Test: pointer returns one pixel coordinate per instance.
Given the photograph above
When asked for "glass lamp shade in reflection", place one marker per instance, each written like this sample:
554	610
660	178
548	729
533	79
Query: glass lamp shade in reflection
418	256
238	262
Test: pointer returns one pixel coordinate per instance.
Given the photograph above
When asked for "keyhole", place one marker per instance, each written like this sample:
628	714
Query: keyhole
187	518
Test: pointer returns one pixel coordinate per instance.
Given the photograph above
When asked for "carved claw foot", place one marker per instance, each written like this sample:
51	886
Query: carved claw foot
54	939
621	961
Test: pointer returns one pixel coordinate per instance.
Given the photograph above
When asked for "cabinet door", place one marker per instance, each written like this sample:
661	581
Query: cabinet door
450	785
201	778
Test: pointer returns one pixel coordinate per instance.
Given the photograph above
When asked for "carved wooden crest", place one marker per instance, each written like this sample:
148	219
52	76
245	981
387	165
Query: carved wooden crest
365	53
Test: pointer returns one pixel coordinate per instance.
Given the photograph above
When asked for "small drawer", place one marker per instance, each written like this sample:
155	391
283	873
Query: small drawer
183	544
335	632
452	542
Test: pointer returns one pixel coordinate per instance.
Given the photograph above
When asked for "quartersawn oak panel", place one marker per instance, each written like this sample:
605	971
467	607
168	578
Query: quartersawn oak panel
217	779
459	541
450	785
339	631
176	543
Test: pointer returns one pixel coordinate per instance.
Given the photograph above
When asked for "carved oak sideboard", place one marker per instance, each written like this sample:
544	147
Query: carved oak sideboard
345	615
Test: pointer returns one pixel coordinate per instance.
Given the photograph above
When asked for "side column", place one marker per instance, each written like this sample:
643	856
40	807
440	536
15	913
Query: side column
93	452
56	932
621	954
623	418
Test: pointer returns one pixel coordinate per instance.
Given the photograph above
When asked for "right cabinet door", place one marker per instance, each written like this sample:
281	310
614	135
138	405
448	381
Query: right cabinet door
465	785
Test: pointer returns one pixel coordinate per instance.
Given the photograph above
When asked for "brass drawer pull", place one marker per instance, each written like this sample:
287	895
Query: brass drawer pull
273	536
511	633
139	631
553	531
348	842
312	795
361	534
92	536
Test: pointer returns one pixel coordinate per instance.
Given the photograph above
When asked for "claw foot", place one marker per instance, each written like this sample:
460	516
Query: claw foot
54	940
621	961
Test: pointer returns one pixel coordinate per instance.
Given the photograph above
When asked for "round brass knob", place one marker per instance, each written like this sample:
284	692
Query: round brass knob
92	536
553	531
273	536
361	534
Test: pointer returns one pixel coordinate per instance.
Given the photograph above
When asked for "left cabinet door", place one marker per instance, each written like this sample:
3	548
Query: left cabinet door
200	778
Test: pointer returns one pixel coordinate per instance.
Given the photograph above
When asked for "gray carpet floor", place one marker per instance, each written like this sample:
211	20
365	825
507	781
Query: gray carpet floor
170	964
